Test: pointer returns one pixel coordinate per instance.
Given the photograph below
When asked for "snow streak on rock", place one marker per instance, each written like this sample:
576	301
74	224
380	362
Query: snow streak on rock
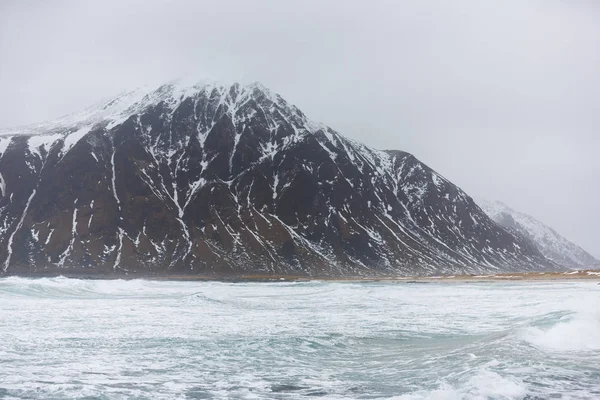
12	235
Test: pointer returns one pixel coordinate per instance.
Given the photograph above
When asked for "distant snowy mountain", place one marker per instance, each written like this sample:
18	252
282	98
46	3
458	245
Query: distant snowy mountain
221	179
547	240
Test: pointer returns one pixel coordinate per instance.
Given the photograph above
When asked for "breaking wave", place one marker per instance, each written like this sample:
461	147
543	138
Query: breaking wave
577	331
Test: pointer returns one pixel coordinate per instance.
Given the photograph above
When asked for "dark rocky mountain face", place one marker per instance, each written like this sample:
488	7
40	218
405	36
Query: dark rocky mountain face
227	180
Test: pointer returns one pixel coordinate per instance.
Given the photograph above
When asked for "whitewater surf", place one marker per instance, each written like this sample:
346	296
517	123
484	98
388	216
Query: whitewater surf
114	339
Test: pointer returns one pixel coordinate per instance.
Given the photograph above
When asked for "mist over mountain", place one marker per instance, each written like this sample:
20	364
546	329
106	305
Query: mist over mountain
550	243
227	179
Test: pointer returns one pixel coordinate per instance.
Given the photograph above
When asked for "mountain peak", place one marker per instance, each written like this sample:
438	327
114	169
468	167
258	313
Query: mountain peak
114	110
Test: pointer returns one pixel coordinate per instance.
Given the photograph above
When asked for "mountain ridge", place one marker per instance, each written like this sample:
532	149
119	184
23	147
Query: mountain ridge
235	180
550	243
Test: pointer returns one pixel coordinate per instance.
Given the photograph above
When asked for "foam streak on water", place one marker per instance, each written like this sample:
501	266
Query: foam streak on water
63	338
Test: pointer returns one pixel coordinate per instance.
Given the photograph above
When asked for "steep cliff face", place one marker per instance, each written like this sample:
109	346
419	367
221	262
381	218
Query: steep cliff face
230	179
551	244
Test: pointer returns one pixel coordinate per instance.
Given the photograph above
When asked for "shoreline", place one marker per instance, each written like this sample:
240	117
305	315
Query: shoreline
499	277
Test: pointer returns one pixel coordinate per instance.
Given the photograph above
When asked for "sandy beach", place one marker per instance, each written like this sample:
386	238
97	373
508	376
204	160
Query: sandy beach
500	277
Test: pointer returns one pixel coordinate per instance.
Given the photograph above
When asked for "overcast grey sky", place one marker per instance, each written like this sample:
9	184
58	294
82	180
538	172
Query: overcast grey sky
501	97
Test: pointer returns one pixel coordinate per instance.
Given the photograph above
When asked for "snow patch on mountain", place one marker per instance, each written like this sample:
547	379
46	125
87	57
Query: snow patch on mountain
39	143
4	142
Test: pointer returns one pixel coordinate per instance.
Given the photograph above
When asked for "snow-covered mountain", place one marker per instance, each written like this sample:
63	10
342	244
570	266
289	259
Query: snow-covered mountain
547	240
229	179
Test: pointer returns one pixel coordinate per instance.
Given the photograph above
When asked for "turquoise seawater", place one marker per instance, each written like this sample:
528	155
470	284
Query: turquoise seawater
83	339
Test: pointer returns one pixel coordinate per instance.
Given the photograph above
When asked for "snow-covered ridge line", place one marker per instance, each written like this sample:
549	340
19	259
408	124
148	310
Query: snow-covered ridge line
115	109
91	115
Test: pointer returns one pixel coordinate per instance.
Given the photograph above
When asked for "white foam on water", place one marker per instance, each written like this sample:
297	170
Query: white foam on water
61	287
483	385
115	339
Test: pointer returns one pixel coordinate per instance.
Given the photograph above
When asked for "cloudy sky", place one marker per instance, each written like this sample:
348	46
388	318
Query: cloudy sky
501	97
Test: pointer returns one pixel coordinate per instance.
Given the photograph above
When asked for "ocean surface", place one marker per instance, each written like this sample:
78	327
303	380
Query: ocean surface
67	339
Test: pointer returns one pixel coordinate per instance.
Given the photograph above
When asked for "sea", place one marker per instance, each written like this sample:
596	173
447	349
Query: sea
66	338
